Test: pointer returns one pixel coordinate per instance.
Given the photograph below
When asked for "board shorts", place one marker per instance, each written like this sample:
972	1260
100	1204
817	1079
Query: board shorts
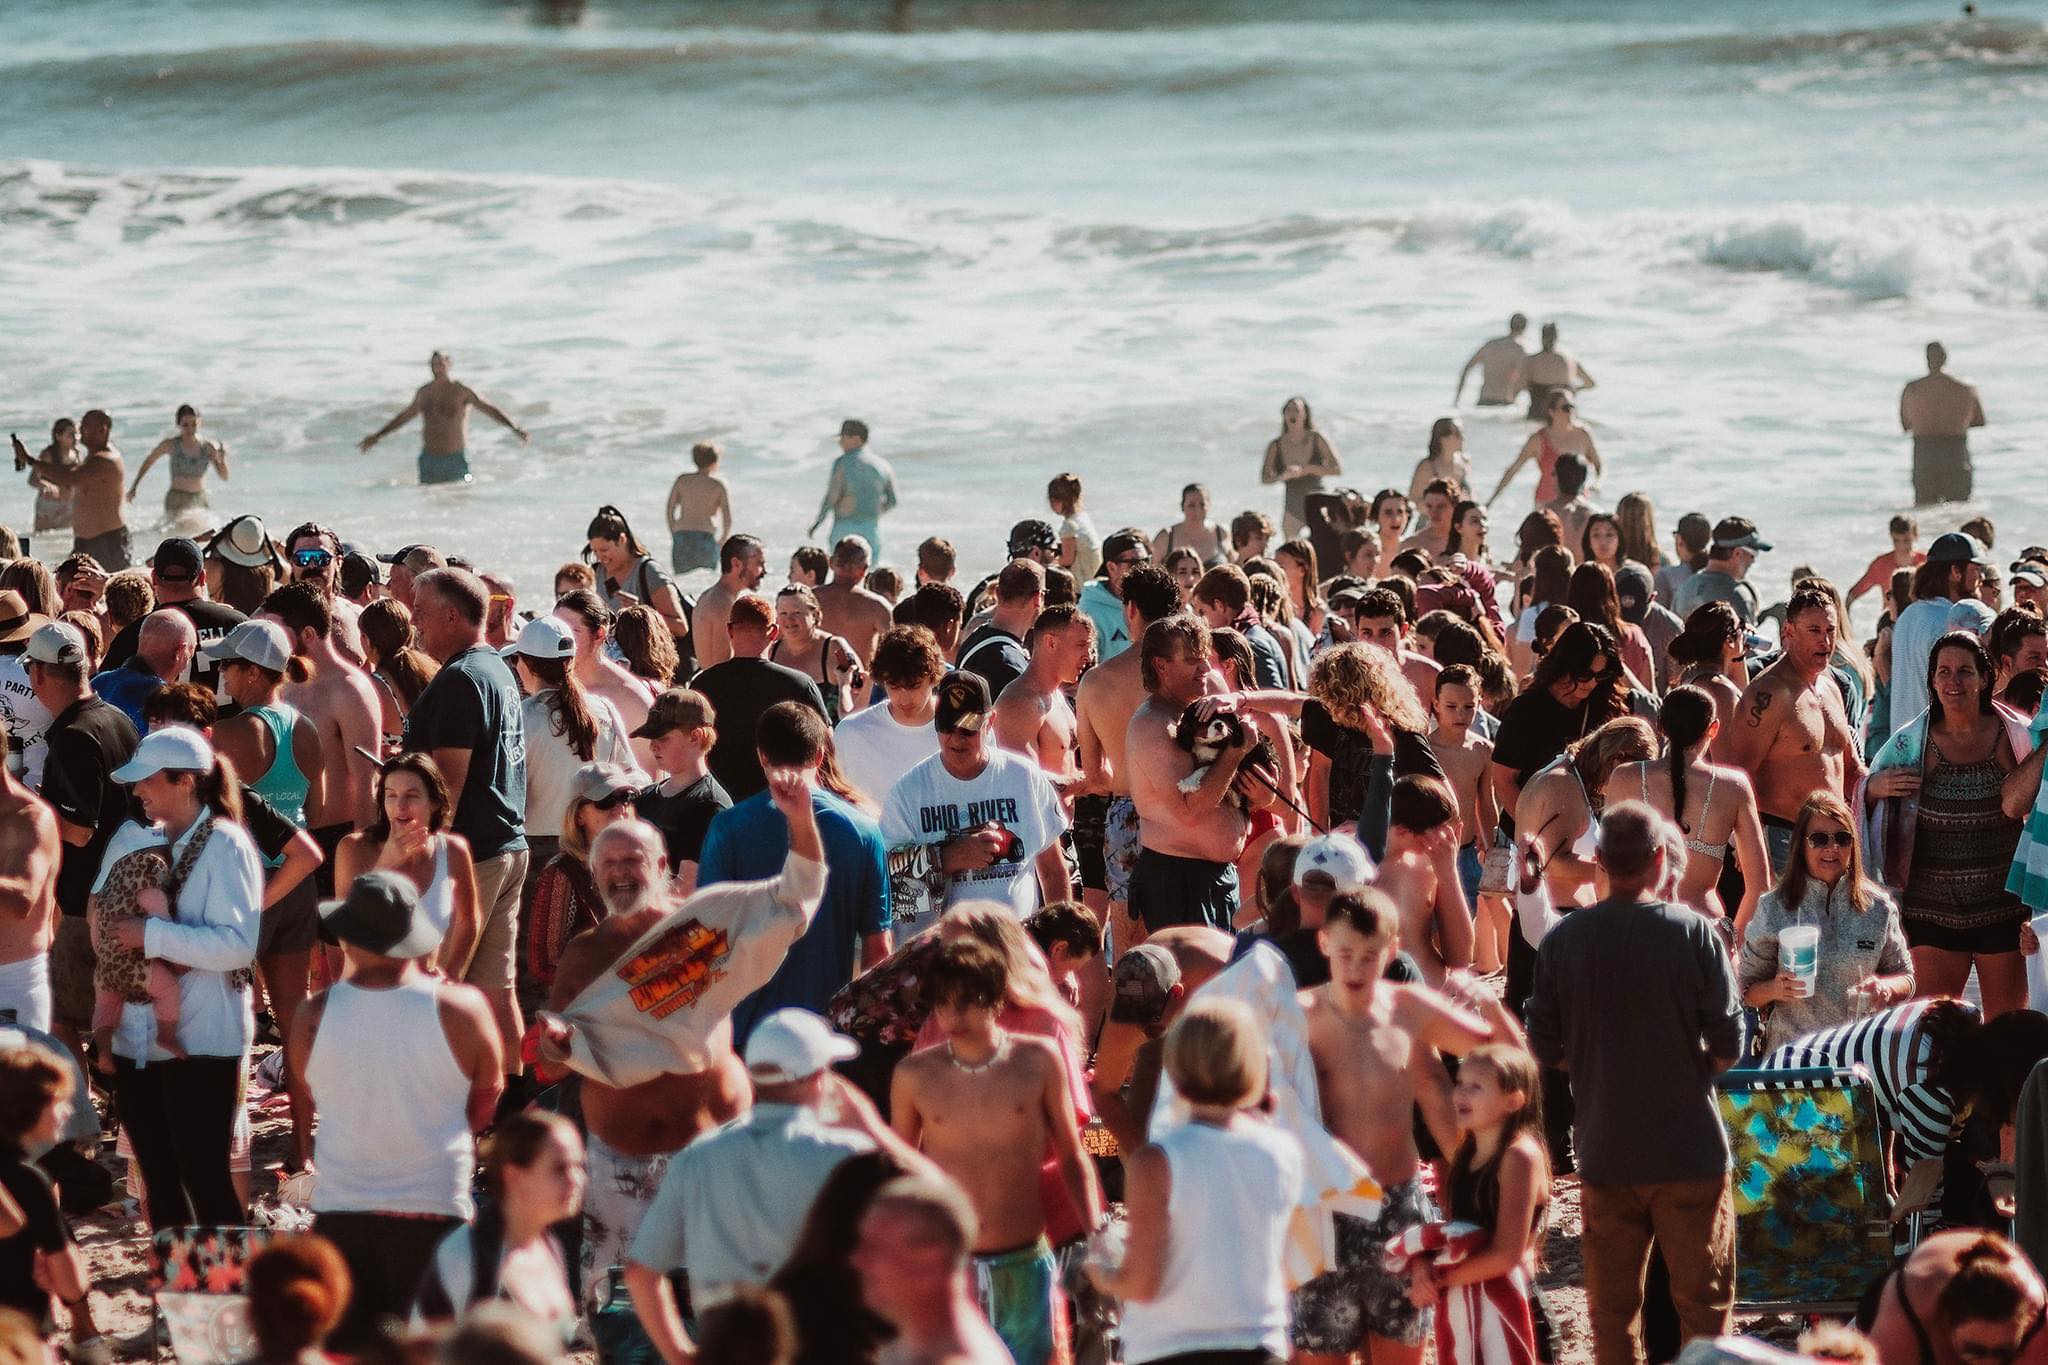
621	1190
1336	1311
692	550
1119	847
450	468
1091	832
1019	1294
1168	890
110	548
1941	469
1471	870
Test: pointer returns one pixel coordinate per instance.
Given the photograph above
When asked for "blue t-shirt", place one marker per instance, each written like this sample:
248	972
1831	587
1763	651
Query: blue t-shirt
749	842
473	704
127	687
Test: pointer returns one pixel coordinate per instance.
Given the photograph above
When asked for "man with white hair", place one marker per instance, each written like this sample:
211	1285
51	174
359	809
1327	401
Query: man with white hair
642	1006
164	646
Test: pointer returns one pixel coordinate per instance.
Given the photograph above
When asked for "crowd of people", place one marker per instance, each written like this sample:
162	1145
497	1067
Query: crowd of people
1163	948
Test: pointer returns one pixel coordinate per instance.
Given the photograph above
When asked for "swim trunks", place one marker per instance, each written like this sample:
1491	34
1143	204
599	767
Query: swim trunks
110	548
1941	469
693	550
450	468
1119	847
1336	1311
621	1190
1018	1292
1091	831
1167	890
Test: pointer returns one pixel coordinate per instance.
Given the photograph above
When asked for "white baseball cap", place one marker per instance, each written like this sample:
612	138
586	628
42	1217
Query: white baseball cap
792	1044
1339	857
262	643
174	748
543	637
55	643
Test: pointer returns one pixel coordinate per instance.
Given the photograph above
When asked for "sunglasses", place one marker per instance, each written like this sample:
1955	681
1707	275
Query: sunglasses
1128	560
1841	838
1602	676
614	801
312	557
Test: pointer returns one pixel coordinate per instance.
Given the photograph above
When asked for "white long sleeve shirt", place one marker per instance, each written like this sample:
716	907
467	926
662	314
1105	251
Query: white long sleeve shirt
218	913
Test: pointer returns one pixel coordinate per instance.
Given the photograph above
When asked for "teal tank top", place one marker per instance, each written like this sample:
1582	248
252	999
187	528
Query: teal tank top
283	786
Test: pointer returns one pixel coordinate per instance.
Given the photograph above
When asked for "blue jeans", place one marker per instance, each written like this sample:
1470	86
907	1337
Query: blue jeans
693	550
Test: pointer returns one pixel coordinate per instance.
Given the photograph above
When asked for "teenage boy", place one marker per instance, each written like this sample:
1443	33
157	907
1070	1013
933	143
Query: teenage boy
680	728
1466	758
1420	873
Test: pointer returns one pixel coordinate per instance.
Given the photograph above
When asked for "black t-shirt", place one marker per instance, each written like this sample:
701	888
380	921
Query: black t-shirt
473	704
740	690
1534	729
995	655
87	742
1350	754
683	817
210	620
45	1230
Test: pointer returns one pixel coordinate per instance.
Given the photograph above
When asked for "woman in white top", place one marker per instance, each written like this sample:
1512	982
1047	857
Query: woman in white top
533	1167
590	621
1201	1273
411	837
567	726
180	1112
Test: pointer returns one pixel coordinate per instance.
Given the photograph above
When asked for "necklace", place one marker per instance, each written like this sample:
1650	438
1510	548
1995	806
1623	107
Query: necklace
1002	1051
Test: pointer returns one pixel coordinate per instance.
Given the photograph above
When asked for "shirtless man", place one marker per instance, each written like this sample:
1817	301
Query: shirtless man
1791	731
1499	362
634	1129
1420	874
1376	1049
1551	370
1033	715
1189	839
444	404
984	1106
28	901
338	697
1383	621
1105	701
742	564
98	484
699	511
1467	761
1937	410
1439	499
850	609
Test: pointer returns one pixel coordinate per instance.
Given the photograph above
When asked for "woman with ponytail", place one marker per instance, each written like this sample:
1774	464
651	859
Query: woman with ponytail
567	726
630	576
180	1111
1713	806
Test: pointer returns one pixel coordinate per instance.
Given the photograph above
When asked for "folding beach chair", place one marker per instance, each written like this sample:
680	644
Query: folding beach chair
1813	1204
195	1278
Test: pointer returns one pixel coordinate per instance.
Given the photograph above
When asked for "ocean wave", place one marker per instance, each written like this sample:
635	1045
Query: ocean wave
2001	44
1994	256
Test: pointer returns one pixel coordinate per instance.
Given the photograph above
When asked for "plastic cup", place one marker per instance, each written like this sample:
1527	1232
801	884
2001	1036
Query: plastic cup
1799	953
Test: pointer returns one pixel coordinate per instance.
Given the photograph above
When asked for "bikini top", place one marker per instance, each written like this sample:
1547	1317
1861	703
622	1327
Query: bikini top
1706	850
185	466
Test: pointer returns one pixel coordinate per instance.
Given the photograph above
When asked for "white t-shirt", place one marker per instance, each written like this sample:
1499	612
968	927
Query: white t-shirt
875	749
928	805
27	721
551	764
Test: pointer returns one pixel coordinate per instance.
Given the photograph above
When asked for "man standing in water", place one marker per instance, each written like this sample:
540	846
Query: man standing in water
1937	410
444	404
1550	370
862	488
99	524
1499	363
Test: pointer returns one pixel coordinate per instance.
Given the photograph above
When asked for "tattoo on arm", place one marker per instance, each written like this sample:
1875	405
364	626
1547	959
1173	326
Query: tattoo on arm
1757	709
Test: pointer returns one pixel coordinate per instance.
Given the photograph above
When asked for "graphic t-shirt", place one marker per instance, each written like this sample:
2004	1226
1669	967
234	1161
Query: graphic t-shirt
27	721
473	704
929	805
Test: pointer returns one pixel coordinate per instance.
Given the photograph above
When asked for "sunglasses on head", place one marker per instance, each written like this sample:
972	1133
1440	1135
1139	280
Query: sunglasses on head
614	801
1840	838
312	557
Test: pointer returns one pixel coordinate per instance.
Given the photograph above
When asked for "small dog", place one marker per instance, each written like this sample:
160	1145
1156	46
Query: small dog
1206	740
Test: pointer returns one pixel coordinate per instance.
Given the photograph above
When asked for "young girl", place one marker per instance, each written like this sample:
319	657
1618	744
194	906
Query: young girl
1080	547
1479	1269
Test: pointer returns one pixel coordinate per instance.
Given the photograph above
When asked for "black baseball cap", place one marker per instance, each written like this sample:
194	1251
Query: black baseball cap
177	559
1117	544
357	571
1634	586
1957	548
1032	534
963	703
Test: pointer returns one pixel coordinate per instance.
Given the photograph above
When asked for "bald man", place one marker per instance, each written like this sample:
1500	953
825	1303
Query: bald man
165	642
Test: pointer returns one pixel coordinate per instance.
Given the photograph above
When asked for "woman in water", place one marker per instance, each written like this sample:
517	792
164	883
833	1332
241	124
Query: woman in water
1194	531
1446	459
191	457
1560	435
1299	458
53	504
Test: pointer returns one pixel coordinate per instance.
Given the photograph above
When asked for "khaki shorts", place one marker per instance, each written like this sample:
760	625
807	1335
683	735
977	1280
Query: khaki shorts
498	880
71	960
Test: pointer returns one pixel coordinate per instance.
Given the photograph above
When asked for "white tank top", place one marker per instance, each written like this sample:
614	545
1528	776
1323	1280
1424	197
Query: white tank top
1232	1194
393	1105
437	902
